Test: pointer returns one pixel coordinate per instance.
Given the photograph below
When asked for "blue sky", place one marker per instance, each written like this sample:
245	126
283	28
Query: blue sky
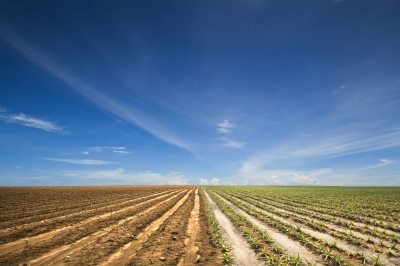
200	92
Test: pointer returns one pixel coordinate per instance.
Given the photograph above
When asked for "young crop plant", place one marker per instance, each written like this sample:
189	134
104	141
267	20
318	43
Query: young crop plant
227	257
377	261
315	224
297	261
337	260
362	257
390	252
376	249
328	254
257	238
308	240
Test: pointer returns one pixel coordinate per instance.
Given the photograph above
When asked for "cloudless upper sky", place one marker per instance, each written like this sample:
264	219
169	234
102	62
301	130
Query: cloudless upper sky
265	92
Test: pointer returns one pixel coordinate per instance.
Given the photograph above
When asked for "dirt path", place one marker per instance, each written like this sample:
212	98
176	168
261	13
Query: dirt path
243	254
292	247
325	237
53	257
20	244
128	251
191	255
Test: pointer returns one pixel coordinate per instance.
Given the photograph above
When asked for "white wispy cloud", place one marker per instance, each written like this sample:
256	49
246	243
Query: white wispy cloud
303	179
85	152
30	121
257	171
79	161
274	180
121	175
384	162
225	127
215	181
118	108
344	145
106	148
205	182
177	182
231	143
119	151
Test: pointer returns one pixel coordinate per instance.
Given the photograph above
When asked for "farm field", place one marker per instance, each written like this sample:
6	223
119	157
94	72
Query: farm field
127	225
312	225
190	225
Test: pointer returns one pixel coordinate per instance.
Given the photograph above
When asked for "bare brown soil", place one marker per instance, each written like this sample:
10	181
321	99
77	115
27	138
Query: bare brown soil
23	205
210	253
96	234
166	246
41	227
18	252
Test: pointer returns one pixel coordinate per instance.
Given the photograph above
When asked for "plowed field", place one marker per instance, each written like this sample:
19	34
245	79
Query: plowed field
155	225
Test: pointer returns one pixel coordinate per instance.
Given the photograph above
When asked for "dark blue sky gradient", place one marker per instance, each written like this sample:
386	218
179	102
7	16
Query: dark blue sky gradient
230	92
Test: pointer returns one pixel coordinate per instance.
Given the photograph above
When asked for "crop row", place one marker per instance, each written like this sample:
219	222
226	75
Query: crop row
320	226
379	205
260	241
331	216
217	236
331	252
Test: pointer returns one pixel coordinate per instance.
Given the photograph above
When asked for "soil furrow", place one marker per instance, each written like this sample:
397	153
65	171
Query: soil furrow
374	213
292	247
37	228
42	244
24	206
328	225
129	250
166	245
210	253
328	216
65	210
191	256
57	255
325	237
243	253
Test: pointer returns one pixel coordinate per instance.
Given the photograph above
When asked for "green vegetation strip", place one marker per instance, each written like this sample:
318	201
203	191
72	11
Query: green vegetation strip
379	247
329	251
379	229
260	241
226	255
374	206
